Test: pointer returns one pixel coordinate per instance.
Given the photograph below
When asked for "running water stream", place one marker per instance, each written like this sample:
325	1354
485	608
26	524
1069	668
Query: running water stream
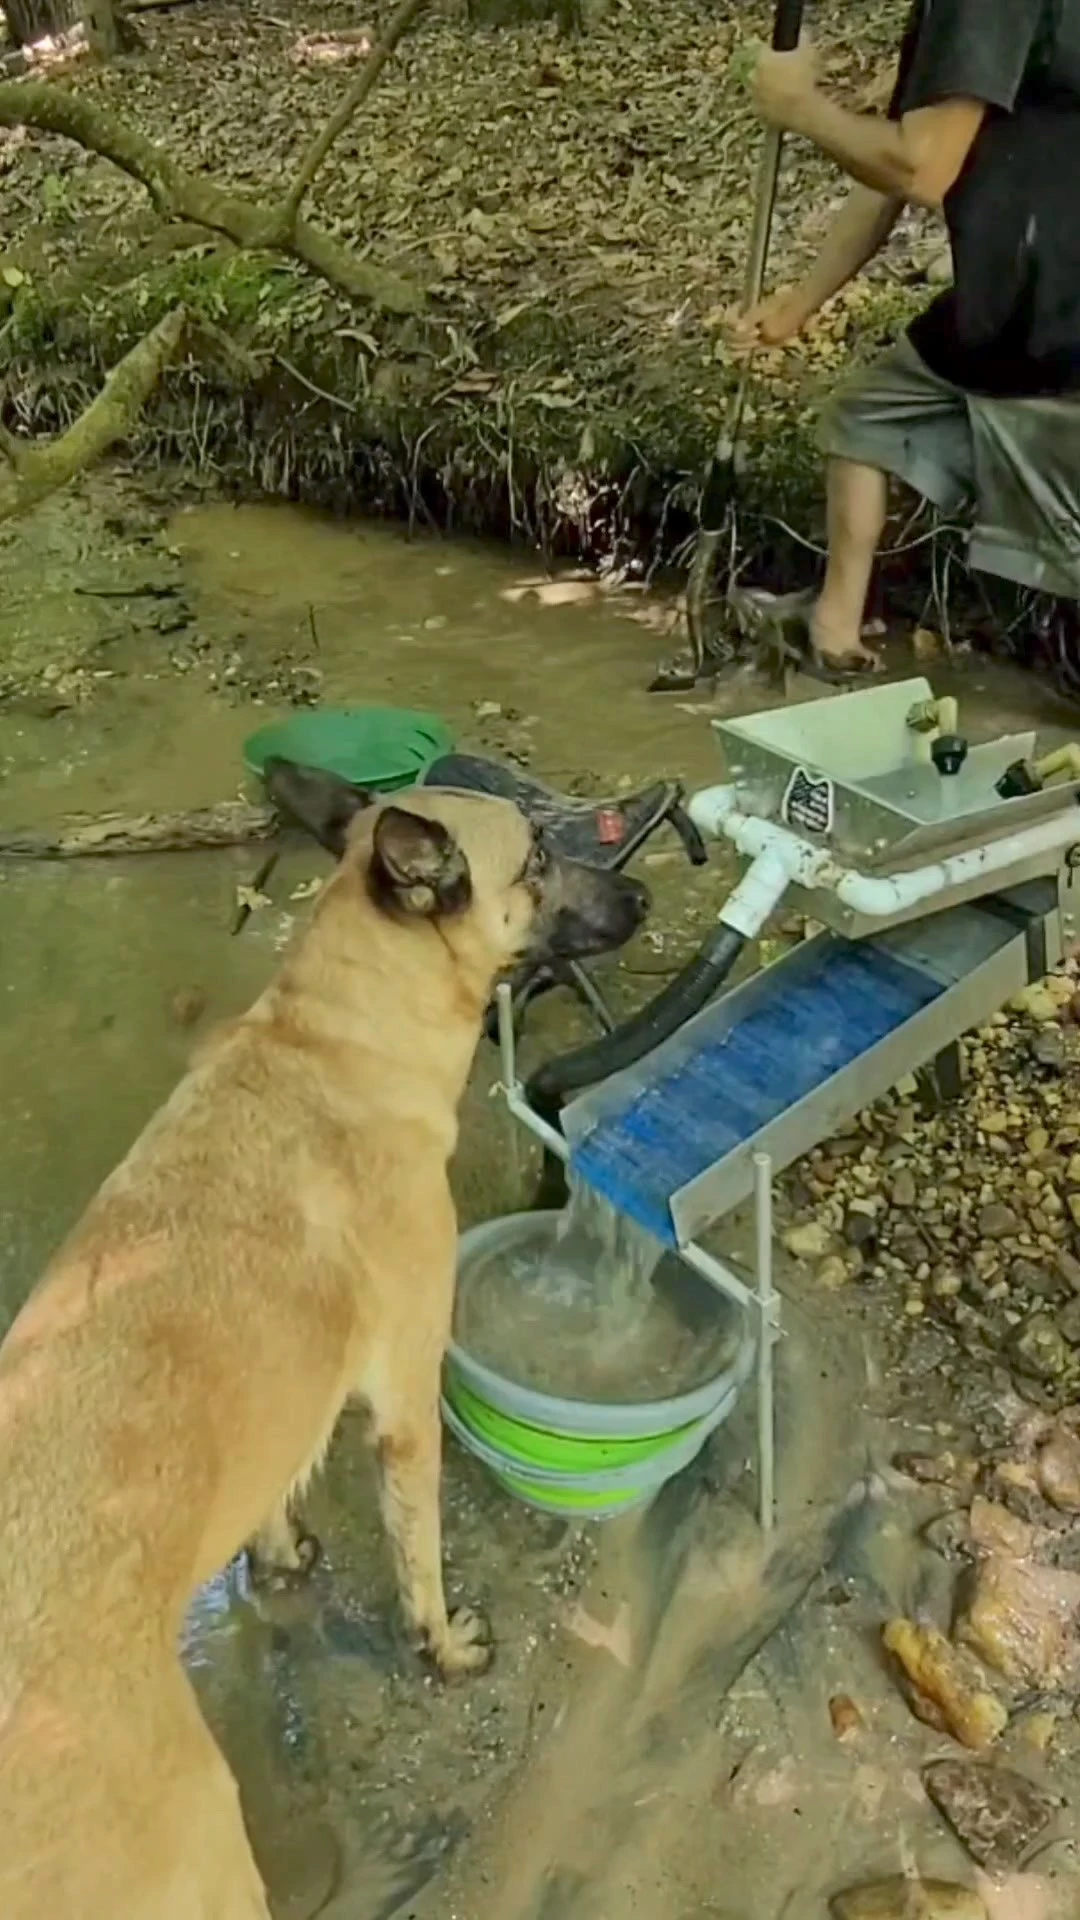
585	1304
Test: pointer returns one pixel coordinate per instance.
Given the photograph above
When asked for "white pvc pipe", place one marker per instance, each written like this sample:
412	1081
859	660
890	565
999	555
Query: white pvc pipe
895	893
758	894
715	811
710	807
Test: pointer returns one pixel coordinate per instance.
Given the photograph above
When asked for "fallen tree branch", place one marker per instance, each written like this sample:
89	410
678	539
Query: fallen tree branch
397	26
178	195
32	470
232	823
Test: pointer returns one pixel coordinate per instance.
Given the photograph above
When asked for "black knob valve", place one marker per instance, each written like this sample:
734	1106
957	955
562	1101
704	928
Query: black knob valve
948	753
1017	781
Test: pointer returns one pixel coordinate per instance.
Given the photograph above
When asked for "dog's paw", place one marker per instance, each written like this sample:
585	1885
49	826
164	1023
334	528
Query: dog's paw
274	1574
466	1647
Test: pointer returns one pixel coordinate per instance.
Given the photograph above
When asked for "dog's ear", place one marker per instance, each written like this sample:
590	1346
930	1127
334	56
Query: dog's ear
417	866
322	803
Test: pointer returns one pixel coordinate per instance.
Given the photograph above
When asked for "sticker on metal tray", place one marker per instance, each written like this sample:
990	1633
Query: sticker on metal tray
808	803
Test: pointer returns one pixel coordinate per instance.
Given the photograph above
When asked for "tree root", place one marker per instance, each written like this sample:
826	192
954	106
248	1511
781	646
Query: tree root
29	472
232	823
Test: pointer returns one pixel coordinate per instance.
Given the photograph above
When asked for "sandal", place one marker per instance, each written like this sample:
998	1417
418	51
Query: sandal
837	671
784	638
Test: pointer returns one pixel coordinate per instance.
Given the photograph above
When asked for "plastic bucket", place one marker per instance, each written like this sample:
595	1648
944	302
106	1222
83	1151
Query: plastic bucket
580	1458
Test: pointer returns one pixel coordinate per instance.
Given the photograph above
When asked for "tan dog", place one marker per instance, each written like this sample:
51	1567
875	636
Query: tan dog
281	1237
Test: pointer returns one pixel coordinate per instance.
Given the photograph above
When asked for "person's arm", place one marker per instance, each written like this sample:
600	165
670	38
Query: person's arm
960	60
859	231
916	159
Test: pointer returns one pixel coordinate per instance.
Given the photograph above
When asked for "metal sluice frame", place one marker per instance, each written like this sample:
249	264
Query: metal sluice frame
762	1299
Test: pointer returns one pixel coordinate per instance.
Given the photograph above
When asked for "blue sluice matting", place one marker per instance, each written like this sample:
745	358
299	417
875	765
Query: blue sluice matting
784	1048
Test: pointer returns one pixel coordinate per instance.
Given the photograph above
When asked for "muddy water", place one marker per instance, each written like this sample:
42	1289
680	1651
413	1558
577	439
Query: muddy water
596	1771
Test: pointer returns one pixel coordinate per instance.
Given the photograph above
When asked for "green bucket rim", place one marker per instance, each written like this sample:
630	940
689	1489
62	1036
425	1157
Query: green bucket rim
553	1449
411	740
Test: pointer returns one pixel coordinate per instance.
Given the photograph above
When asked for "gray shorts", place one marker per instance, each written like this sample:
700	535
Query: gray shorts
1014	463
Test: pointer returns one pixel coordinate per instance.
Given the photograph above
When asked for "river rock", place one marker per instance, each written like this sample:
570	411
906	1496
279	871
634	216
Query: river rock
810	1241
997	1221
1040	1348
860	1229
845	1717
1069	1268
1046	999
901	1898
911	1250
1048	1049
1019	1622
996	1813
833	1273
1032	1277
945	1686
1059	1471
903	1192
1069	1322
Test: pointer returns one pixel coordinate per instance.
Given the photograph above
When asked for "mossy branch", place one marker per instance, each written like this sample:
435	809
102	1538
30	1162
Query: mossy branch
32	471
179	195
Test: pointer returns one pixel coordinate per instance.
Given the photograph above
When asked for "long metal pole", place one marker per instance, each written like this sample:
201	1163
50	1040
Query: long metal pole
766	1297
717	489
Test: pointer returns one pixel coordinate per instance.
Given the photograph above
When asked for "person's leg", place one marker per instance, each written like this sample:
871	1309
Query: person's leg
893	418
857	509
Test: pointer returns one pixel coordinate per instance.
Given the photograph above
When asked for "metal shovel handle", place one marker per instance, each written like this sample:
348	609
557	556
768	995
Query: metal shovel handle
716	492
787	27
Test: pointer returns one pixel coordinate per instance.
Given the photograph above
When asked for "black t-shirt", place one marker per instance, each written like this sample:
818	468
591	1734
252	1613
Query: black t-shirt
1011	322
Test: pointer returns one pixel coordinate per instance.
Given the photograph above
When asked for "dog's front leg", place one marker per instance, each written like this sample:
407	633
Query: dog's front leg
409	1450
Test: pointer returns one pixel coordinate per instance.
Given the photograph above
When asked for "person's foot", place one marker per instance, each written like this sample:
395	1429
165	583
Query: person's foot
840	652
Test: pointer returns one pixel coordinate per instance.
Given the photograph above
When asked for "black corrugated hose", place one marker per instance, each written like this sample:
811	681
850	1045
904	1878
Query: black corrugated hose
672	1008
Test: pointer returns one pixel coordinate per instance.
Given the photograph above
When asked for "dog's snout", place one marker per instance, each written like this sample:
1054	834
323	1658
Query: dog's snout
590	911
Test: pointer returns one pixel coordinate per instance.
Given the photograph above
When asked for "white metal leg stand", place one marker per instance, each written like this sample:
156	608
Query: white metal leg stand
762	1300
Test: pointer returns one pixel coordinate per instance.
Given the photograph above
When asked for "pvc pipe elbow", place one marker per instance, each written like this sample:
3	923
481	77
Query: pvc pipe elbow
710	807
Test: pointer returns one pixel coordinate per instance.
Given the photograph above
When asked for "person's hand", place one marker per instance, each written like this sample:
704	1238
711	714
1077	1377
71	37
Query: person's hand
783	83
772	323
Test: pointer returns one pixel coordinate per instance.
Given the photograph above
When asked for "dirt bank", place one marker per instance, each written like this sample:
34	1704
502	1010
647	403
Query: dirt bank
565	219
